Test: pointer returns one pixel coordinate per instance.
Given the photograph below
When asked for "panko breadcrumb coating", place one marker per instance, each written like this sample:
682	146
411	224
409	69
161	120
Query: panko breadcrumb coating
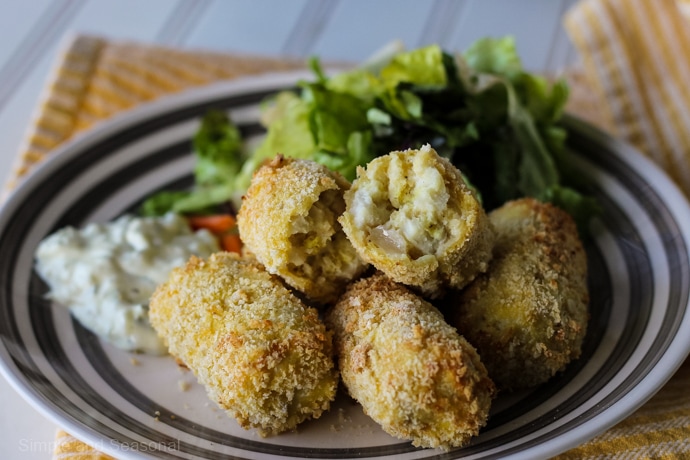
528	314
260	352
288	221
411	215
411	372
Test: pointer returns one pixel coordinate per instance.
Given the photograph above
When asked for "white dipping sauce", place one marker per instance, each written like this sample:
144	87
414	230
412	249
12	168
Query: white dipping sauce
106	273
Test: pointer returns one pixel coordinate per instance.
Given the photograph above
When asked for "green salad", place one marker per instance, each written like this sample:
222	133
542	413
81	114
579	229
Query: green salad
496	122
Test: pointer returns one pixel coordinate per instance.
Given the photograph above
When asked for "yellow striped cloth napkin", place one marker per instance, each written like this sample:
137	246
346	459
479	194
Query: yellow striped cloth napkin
636	55
636	61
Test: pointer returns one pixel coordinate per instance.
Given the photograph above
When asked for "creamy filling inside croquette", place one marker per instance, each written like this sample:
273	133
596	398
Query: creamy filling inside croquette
311	233
318	244
405	209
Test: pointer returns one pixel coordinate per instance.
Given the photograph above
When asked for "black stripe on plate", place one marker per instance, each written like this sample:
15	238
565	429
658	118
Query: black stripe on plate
90	345
99	360
641	274
661	217
12	239
46	334
599	279
76	215
634	330
672	240
675	251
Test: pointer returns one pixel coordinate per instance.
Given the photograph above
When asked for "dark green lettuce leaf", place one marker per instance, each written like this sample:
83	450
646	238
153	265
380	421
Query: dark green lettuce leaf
498	123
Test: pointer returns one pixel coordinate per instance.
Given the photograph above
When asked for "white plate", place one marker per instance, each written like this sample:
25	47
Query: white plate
148	408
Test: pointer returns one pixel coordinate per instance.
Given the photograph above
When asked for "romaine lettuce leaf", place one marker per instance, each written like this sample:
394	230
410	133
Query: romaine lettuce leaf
421	67
319	125
218	150
498	123
496	56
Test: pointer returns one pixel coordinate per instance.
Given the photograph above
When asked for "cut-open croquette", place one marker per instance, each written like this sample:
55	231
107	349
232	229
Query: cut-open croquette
411	215
528	314
260	352
411	372
289	221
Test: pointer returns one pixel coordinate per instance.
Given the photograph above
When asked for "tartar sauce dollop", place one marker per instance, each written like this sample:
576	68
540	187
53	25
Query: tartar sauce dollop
105	273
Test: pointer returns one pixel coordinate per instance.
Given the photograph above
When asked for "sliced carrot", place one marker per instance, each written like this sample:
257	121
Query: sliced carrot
223	227
231	242
215	223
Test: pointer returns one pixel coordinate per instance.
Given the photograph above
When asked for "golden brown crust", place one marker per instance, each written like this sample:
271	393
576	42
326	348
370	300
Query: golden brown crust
411	372
528	314
260	352
288	221
411	215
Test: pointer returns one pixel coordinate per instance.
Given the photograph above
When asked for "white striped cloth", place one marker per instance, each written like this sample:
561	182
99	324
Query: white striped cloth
636	58
636	54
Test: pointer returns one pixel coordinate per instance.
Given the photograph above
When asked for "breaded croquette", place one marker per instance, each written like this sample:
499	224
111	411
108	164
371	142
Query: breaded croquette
260	352
528	314
288	221
410	371
411	215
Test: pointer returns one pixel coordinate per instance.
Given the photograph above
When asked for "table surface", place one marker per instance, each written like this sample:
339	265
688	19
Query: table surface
32	34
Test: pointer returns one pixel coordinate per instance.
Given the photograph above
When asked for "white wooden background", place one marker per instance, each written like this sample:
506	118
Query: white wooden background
32	33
